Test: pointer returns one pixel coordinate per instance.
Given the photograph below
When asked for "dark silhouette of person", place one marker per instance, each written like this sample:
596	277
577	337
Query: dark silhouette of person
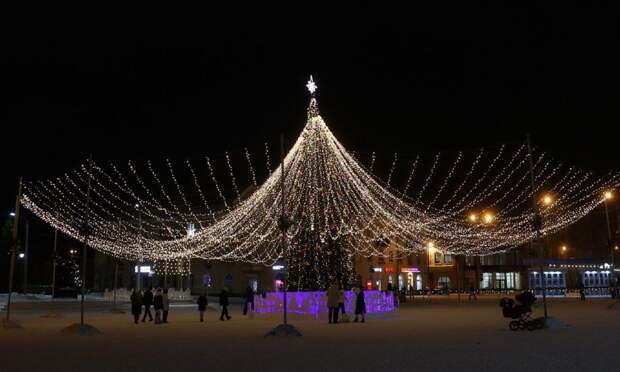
147	300
582	291
249	299
158	305
202	305
224	304
136	305
360	305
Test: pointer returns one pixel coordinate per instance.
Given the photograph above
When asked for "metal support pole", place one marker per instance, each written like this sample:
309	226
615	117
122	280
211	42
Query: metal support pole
26	255
458	280
428	274
610	244
537	224
54	261
115	280
13	250
138	264
284	245
86	233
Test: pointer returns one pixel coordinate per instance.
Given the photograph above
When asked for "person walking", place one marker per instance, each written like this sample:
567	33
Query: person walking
582	291
158	305
249	299
472	293
147	300
332	303
360	304
224	304
202	305
136	305
341	301
166	304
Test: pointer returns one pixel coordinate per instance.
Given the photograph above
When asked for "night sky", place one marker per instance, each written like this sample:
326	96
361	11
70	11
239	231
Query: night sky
418	80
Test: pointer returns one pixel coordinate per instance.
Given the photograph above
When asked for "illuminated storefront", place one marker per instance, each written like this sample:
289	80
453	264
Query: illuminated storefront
500	280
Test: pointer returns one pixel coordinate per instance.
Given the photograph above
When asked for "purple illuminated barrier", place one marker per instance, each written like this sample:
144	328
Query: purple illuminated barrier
315	303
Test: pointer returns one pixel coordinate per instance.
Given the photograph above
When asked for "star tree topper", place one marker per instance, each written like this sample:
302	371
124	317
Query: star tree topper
311	86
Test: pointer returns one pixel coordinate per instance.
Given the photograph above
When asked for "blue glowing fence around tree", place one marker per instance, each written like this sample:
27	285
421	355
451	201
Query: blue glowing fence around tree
315	303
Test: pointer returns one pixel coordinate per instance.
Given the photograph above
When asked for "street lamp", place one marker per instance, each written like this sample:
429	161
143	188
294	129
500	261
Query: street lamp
608	195
488	217
12	214
22	255
547	200
473	217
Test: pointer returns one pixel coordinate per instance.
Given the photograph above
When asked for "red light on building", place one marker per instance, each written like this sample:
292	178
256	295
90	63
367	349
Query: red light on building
369	285
389	269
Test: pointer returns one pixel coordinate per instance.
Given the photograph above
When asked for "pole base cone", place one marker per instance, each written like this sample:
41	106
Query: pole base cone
284	330
11	324
80	330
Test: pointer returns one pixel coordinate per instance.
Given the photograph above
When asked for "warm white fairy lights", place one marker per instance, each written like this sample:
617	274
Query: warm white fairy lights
470	205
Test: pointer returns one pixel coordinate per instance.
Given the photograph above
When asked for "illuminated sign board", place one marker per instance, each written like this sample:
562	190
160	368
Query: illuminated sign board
143	269
409	270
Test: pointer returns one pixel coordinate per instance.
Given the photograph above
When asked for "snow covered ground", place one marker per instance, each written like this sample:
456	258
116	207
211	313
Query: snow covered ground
440	335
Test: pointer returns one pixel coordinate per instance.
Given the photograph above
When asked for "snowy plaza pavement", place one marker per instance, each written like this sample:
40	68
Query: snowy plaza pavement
439	335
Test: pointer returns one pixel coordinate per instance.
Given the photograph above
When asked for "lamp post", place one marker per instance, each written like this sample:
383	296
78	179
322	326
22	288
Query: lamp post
138	275
54	262
86	234
7	321
607	197
537	222
487	218
430	246
284	329
26	256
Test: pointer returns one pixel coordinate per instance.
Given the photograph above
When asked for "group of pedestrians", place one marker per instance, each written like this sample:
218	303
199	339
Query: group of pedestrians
336	300
145	300
141	304
202	303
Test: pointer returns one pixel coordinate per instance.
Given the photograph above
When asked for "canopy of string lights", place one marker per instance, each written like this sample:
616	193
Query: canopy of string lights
472	204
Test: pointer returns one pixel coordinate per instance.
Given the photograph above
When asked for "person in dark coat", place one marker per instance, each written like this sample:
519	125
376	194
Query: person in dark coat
360	304
332	303
147	300
136	305
202	305
224	304
249	299
582	291
158	305
472	293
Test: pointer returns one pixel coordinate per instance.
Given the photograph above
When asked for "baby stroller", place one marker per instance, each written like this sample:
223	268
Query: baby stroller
521	312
